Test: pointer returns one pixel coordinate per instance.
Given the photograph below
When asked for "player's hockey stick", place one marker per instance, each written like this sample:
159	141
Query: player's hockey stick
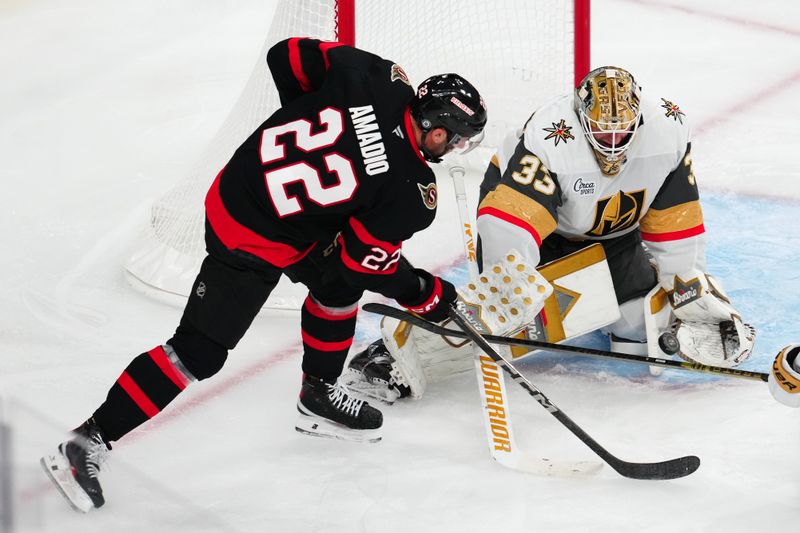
671	469
491	386
399	314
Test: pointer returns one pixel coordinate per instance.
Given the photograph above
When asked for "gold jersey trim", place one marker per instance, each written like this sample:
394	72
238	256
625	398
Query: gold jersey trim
676	218
520	206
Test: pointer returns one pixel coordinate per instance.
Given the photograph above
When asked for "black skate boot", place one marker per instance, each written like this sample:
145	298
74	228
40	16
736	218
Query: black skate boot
75	467
327	410
372	373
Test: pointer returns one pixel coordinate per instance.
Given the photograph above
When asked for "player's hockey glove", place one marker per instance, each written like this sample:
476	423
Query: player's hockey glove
784	379
709	329
436	296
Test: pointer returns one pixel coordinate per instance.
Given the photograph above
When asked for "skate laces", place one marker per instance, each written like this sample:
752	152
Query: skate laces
96	453
342	401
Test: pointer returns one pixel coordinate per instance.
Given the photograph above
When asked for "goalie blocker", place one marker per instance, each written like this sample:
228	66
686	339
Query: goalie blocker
582	300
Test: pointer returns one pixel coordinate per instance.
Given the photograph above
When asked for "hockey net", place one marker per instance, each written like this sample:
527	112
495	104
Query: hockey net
518	53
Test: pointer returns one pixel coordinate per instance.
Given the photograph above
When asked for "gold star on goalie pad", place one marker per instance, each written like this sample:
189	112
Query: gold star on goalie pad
507	295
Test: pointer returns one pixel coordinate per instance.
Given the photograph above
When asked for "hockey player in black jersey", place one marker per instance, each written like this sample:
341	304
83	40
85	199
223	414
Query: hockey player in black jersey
324	191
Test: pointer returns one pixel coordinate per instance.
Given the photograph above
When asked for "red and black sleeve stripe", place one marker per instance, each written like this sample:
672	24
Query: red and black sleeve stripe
299	66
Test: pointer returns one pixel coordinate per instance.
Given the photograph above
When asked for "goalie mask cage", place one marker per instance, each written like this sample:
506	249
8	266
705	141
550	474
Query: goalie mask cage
518	53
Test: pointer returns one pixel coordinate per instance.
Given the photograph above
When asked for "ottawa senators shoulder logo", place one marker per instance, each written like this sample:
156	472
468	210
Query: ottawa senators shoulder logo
560	132
617	213
399	74
429	194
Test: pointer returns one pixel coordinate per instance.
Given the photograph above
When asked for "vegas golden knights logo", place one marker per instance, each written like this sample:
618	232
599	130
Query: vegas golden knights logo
617	213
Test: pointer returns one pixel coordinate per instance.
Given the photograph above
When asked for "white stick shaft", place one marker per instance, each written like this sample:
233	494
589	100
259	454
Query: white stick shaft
467	232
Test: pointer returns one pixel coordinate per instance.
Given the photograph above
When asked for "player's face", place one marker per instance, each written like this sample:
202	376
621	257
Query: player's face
611	139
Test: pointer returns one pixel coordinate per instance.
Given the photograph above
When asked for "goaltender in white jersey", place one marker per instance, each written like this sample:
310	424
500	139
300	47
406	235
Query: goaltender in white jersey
605	166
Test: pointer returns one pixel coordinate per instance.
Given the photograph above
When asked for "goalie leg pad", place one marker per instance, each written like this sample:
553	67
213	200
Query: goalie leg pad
631	323
371	373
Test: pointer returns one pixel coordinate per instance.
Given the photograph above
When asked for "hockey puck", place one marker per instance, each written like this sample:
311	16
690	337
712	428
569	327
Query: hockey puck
668	343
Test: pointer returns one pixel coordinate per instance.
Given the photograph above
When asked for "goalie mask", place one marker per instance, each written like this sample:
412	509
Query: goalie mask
449	101
607	104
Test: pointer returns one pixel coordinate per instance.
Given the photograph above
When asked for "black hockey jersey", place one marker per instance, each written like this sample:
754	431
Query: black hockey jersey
338	161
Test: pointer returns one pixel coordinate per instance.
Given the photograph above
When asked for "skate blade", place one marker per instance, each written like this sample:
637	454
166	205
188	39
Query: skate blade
59	471
319	427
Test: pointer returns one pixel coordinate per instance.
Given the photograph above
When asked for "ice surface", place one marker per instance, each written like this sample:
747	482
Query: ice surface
105	104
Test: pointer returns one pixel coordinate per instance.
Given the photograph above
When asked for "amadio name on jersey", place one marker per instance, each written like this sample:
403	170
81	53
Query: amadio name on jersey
369	139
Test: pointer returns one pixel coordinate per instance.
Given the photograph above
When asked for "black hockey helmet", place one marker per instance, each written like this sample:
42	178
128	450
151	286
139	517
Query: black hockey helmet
449	101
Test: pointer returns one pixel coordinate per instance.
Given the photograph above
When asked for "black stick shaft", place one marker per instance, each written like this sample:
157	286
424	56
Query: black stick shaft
640	359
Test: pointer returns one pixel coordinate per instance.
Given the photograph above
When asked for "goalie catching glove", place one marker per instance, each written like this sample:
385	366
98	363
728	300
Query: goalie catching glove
506	297
784	379
709	329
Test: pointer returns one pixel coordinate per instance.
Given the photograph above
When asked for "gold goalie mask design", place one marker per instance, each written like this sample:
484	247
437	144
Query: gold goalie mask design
607	104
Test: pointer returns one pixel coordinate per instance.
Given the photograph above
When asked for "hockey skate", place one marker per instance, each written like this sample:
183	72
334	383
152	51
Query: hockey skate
328	410
372	373
74	468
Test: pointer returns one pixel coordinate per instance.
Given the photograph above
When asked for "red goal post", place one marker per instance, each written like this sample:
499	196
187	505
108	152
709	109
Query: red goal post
518	53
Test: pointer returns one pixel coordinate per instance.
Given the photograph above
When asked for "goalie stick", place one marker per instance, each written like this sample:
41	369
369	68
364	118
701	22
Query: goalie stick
399	314
491	386
670	469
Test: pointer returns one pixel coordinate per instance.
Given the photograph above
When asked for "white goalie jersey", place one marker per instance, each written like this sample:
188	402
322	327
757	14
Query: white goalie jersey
547	180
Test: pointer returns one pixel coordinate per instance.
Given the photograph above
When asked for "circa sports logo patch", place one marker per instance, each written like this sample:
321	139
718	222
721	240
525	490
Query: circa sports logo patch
673	111
429	194
583	187
399	74
560	132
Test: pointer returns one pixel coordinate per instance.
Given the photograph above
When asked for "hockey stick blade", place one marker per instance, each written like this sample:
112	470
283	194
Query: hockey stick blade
671	469
405	316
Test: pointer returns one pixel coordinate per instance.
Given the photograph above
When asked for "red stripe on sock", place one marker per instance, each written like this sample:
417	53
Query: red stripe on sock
160	357
330	313
324	346
137	395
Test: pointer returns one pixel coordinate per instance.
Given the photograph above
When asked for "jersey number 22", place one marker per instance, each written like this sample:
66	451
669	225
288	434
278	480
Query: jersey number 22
278	179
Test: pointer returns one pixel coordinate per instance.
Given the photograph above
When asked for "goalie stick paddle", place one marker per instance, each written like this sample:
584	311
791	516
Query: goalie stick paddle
399	314
671	469
504	451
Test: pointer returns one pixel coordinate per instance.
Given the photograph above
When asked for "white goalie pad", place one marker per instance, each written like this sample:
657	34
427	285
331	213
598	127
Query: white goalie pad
421	356
583	298
657	319
506	297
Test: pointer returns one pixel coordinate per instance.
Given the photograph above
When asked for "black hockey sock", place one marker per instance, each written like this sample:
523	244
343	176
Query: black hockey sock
327	336
144	388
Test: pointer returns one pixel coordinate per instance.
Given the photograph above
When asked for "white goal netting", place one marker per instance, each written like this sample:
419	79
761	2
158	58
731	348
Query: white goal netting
518	53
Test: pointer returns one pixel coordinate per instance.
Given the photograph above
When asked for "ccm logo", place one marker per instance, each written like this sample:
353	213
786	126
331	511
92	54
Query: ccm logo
425	308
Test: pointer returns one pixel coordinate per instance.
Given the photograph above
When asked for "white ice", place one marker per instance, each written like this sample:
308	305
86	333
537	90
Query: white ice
104	104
